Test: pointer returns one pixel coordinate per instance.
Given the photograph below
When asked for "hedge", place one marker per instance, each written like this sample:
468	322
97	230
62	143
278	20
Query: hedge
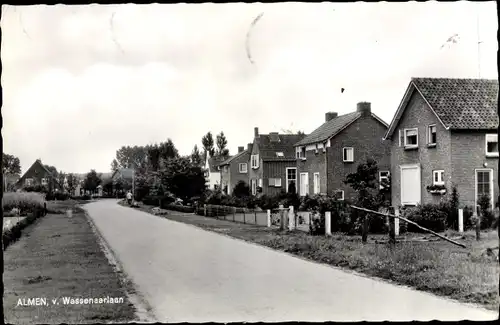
25	201
11	235
57	196
180	208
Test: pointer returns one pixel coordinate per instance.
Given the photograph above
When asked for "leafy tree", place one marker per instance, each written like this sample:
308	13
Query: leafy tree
92	180
241	189
221	141
60	179
196	157
114	165
11	164
153	152
168	150
108	188
131	157
53	170
208	145
183	179
72	183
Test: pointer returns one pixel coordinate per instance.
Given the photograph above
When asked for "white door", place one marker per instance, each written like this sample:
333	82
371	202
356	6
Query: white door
316	183
254	187
484	184
304	184
411	186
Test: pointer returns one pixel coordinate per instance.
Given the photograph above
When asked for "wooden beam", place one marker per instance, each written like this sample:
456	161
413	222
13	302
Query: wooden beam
411	222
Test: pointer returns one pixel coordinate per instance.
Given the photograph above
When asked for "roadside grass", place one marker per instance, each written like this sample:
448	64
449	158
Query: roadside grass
60	256
439	267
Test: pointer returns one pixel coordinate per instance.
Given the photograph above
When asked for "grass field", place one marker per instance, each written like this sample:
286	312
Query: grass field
439	267
59	256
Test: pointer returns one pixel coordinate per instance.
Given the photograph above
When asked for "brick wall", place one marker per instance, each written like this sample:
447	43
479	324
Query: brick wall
255	174
365	136
468	153
315	163
235	175
275	169
419	115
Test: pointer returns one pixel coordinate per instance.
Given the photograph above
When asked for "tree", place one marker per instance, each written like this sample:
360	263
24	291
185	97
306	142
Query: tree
182	178
72	183
11	164
52	170
114	165
131	157
221	141
92	180
208	145
241	189
196	157
168	150
60	179
153	152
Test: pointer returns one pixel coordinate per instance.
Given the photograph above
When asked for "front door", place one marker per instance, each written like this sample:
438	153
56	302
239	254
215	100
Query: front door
304	184
410	184
484	185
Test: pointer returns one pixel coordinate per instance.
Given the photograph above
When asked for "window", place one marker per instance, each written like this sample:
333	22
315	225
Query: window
280	154
28	181
260	182
316	183
438	177
255	161
383	179
348	154
484	184
339	195
44	181
491	145
275	182
304	184
242	168
411	138
291	180
300	152
431	135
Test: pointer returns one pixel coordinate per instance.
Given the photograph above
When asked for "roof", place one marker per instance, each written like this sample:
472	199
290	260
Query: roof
213	163
270	144
228	161
459	104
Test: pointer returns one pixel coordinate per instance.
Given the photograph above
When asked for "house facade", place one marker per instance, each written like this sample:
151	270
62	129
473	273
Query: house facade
212	173
444	134
327	155
272	164
235	169
38	175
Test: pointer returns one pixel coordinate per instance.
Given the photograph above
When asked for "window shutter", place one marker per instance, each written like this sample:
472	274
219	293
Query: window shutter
278	182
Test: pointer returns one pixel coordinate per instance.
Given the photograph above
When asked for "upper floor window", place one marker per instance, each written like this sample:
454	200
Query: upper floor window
255	161
431	135
492	145
438	177
242	168
348	154
300	152
411	138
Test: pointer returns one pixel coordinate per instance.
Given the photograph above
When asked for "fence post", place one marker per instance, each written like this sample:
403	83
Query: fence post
396	222
269	218
460	220
282	217
291	218
328	223
205	210
364	233
234	213
255	214
244	216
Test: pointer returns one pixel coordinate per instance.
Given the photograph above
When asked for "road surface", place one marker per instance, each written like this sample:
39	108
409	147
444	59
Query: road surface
191	275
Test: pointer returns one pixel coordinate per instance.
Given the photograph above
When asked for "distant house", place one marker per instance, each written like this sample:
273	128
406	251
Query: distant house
444	134
38	175
272	165
212	172
336	148
235	169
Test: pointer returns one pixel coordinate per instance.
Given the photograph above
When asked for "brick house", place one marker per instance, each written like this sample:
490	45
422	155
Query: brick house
444	134
38	175
272	165
235	169
332	151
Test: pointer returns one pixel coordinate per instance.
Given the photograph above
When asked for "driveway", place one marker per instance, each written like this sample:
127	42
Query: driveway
191	275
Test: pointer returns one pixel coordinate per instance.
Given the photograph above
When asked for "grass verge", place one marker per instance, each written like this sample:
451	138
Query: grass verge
438	267
61	257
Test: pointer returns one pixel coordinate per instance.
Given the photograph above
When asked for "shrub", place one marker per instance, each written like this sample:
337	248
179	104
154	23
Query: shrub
241	189
430	216
36	188
179	208
25	201
487	216
452	220
11	235
57	196
157	200
317	205
468	222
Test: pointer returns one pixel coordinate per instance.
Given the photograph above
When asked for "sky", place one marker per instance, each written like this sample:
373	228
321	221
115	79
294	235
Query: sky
79	82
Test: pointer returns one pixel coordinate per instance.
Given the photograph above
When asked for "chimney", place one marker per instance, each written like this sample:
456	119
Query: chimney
256	132
249	147
241	149
364	108
330	116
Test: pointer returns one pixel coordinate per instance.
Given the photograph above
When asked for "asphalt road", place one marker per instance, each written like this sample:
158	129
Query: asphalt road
191	275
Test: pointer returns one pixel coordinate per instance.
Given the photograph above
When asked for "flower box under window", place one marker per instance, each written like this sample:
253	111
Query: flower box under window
437	189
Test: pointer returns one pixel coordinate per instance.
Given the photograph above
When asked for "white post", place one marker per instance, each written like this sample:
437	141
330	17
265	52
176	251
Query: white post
461	220
268	218
328	223
291	218
396	222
